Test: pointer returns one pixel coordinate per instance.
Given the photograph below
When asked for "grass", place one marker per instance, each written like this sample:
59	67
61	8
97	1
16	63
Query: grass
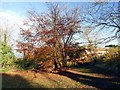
76	77
29	79
5	69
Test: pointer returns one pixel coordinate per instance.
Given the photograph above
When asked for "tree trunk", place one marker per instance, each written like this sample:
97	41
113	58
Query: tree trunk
55	64
64	63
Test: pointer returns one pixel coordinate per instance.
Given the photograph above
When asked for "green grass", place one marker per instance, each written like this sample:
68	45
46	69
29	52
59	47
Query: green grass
4	69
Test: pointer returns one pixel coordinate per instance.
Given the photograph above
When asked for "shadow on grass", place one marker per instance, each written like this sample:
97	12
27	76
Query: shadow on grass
89	68
15	81
100	83
99	70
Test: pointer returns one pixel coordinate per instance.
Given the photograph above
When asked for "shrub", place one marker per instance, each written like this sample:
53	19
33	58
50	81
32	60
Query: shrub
112	54
26	64
6	55
112	60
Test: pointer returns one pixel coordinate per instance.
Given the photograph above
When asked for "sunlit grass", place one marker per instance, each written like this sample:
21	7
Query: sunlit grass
4	69
38	80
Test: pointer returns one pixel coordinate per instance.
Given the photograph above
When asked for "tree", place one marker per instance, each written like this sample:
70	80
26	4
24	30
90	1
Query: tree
6	55
92	39
104	16
54	29
25	46
111	45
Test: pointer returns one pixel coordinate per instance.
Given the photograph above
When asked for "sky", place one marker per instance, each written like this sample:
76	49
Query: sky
13	14
21	7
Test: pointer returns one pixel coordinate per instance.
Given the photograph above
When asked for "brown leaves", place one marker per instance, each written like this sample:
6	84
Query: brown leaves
47	34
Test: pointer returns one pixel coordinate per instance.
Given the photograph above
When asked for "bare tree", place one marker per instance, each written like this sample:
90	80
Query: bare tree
104	16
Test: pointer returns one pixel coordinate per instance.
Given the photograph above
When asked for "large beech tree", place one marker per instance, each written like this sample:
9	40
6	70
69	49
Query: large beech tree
54	29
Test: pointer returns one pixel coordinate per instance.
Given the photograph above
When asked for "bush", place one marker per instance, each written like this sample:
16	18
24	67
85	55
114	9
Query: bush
111	60
112	54
26	64
7	57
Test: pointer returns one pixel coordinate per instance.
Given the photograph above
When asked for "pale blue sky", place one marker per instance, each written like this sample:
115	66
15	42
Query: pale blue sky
19	8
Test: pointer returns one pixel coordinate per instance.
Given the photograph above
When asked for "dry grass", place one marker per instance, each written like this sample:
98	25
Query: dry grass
72	78
30	79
